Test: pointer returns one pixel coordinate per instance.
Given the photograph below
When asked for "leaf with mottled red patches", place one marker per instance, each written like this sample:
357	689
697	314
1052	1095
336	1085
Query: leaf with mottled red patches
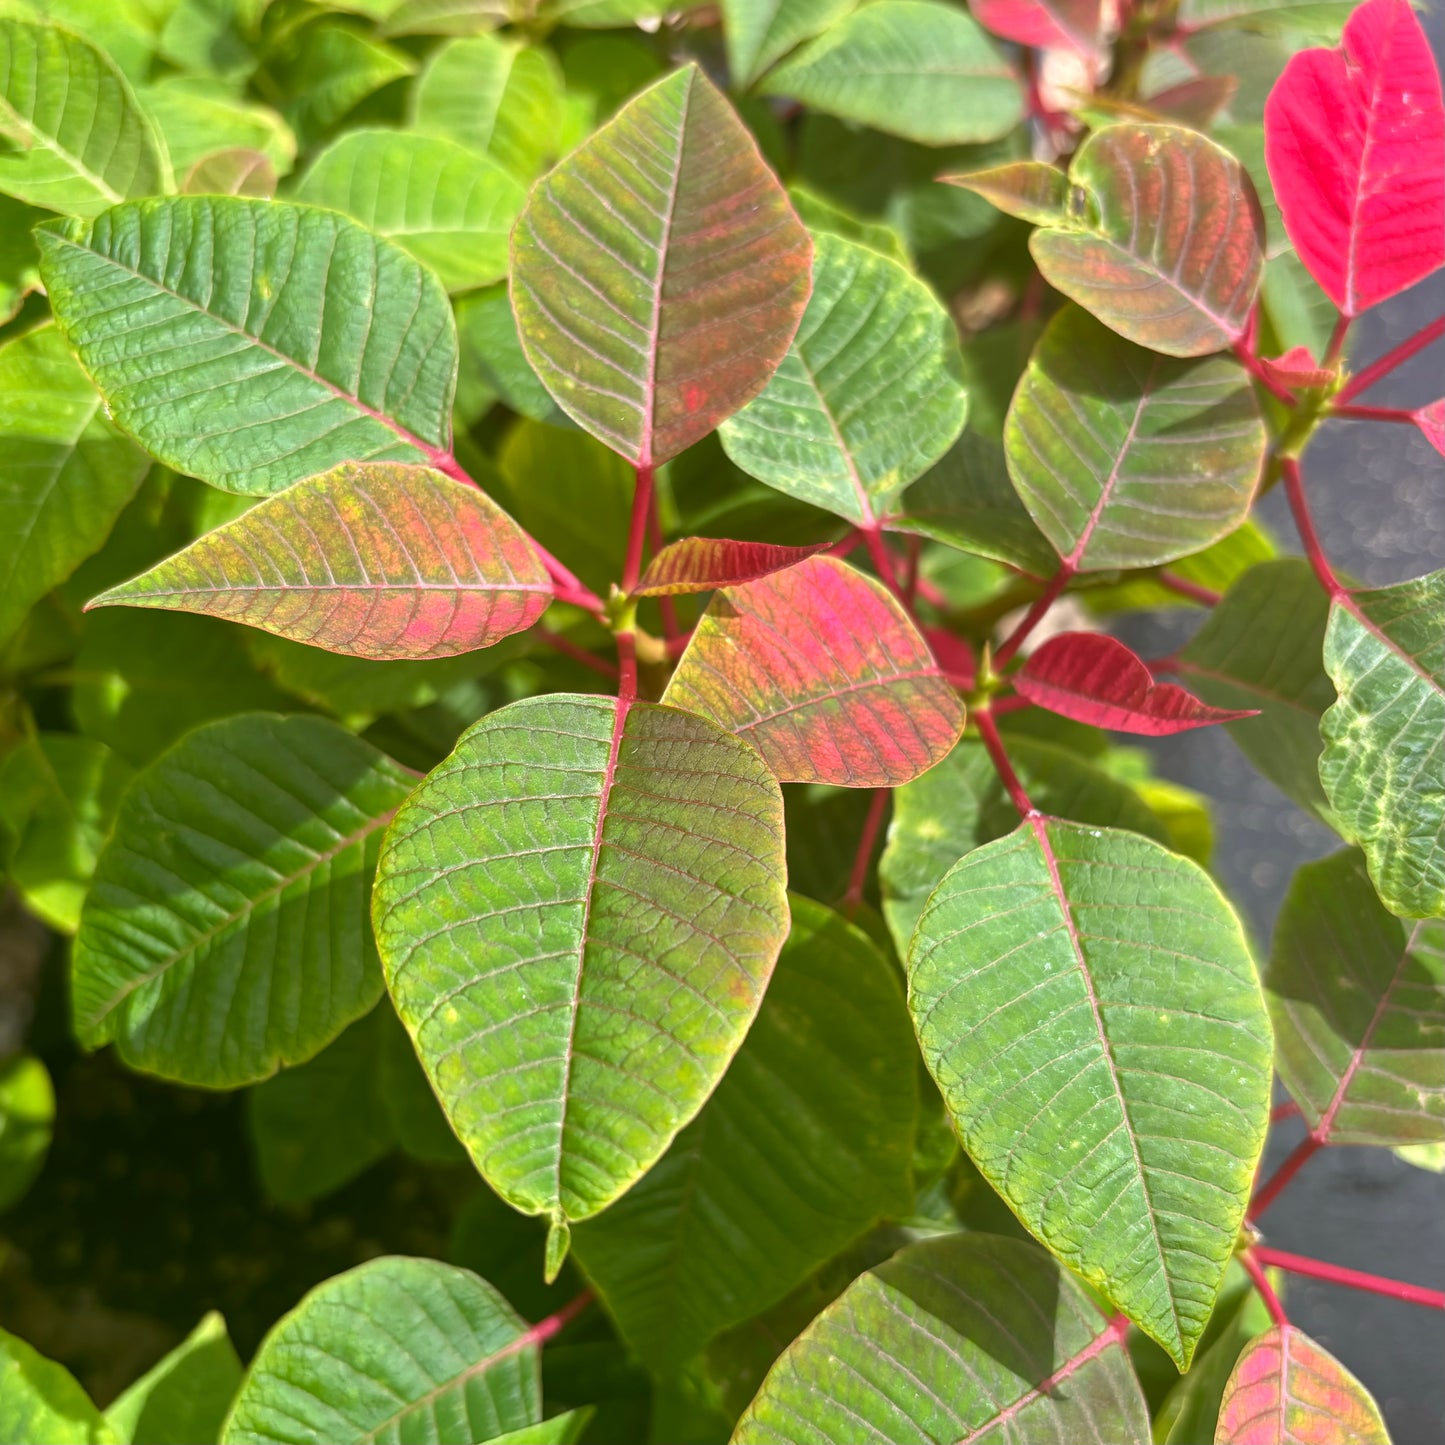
659	273
1095	679
1355	141
1287	1390
1043	24
1030	190
820	667
378	560
701	564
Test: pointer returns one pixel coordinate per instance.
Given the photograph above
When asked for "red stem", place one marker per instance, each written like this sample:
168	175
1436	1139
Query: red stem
845	545
553	1325
1351	1278
1278	391
915	566
1396	356
932	594
568	648
1304	522
1045	600
676	646
1372	413
627	666
1001	706
878	551
988	731
637	531
1205	596
1288	1110
1337	340
858	878
1276	1184
1255	1270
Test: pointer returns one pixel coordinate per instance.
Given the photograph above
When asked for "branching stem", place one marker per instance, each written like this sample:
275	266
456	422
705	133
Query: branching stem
1194	591
1278	1182
1034	615
568	648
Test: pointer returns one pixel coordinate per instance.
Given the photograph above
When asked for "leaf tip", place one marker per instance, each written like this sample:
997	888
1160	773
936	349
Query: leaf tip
559	1241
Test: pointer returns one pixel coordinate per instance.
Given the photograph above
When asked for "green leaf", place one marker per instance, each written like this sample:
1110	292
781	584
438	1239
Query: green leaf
446	17
659	273
557	1430
1126	458
184	1398
1260	648
923	71
40	1401
1358	1001
578	912
19	258
67	474
397	1349
493	366
79	141
496	97
1218	567
759	32
330	70
123	29
808	1139
381	561
1383	764
27	1119
452	209
195	122
225	932
818	213
252	343
1088	1007
867	398
967	1337
961	804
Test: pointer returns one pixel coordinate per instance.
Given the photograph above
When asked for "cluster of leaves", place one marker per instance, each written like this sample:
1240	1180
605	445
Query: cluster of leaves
385	328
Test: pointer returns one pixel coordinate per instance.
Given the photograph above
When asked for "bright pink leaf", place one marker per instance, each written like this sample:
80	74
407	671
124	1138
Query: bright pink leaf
700	564
1431	420
1043	24
1355	143
823	671
1296	369
1095	679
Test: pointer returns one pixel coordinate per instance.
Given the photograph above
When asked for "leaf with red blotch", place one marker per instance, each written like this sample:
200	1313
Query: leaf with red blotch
659	273
1286	1390
1355	142
1094	678
823	671
1431	420
1296	369
702	564
1043	24
377	560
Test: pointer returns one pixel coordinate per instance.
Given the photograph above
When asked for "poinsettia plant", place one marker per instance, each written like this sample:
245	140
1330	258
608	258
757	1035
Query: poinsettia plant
507	506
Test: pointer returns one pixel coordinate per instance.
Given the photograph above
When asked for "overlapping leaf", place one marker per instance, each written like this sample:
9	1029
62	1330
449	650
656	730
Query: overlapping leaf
185	1396
820	667
79	142
66	474
450	208
965	1338
659	273
759	32
330	70
1044	24
1087	1005
42	1401
1358	1001
912	68
1126	458
27	1120
253	343
578	913
395	1350
196	119
700	564
1355	140
225	932
1287	1390
869	395
235	172
806	1141
1383	764
378	561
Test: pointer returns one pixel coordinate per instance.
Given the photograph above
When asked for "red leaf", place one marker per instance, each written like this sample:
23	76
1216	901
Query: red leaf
1296	369
1355	143
700	564
1431	420
1043	24
1096	679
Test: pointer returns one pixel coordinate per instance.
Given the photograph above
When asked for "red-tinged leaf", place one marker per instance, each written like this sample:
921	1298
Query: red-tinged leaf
1043	24
1095	679
822	670
1286	1390
1196	102
1030	190
1355	142
659	273
377	560
1431	420
234	172
701	564
1296	369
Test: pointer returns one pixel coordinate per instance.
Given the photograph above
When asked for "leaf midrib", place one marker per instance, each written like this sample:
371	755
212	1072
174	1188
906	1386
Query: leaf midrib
51	143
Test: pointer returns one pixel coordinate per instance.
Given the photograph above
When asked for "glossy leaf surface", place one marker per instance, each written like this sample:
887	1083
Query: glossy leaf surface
41	1401
1096	679
822	670
659	273
1383	764
252	343
701	564
225	933
1358	1001
915	69
759	32
1087	1005
1126	458
869	395
578	912
807	1140
379	561
334	1368
964	1338
1355	140
1287	1390
451	209
185	1396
